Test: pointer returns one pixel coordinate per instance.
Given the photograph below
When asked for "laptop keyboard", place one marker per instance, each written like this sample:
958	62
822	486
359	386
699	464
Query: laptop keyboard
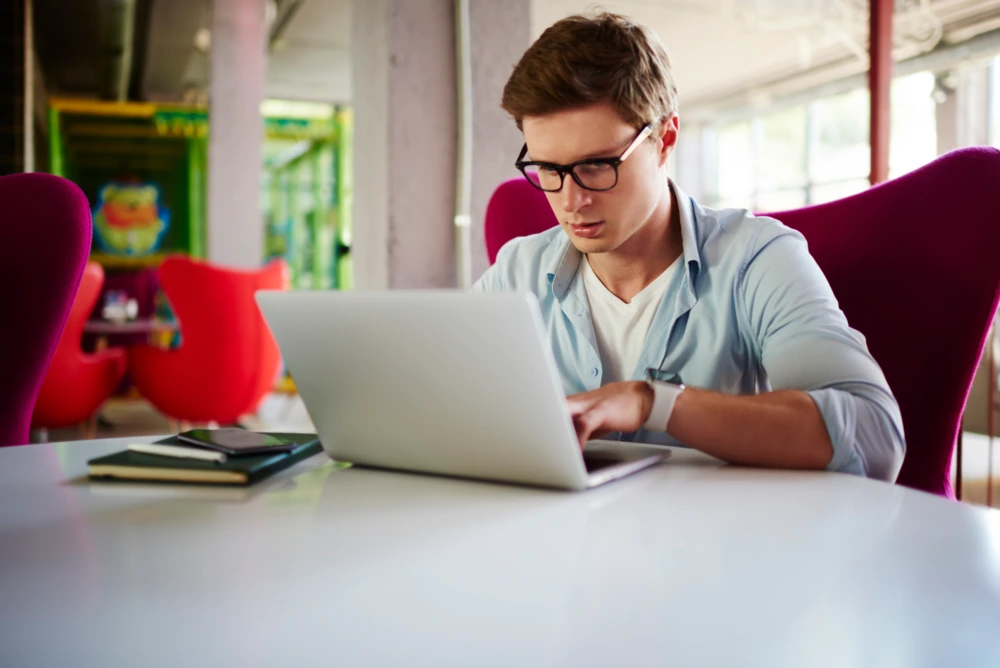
596	462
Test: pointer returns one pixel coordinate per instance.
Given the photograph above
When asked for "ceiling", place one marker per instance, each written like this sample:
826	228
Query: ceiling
74	39
722	47
309	59
719	48
312	60
175	68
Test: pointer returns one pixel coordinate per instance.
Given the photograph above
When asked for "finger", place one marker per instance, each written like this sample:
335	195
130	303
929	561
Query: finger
576	407
583	429
579	404
597	422
600	433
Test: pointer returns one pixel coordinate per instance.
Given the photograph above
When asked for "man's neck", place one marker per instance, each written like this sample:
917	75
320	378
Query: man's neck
649	252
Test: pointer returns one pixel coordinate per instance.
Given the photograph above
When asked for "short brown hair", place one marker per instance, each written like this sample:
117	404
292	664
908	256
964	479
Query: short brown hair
585	59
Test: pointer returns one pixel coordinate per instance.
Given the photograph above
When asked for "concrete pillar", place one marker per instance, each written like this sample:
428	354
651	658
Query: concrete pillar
405	134
994	104
974	106
500	32
403	79
238	70
963	120
963	108
946	113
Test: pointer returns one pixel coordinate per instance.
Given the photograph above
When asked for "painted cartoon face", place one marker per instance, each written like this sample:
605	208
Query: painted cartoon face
129	219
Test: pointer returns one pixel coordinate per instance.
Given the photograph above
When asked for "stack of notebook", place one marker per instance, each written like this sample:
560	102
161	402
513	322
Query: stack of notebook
242	470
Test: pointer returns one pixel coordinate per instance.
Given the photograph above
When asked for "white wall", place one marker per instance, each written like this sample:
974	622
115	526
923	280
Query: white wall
501	32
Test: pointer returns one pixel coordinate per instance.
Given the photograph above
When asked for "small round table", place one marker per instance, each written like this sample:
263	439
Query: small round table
141	326
102	329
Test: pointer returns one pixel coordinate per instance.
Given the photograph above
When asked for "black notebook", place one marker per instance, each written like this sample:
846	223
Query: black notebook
247	470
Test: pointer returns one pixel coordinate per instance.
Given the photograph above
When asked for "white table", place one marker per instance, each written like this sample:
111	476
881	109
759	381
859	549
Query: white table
688	564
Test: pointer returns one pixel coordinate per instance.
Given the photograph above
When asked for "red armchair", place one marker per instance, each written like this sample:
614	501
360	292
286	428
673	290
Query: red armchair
77	383
227	359
272	277
913	263
46	229
516	209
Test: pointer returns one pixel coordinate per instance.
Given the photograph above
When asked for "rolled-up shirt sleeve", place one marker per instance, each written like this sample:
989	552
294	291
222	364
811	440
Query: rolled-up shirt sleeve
804	342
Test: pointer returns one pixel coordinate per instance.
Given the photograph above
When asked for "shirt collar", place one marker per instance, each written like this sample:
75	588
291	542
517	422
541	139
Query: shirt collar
567	265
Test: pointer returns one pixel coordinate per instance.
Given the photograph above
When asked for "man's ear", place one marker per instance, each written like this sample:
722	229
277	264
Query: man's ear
666	136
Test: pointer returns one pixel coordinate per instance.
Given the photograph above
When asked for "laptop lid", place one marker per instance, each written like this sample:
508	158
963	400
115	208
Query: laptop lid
443	382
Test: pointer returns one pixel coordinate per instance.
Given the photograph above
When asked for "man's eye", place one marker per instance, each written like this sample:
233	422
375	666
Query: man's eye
593	168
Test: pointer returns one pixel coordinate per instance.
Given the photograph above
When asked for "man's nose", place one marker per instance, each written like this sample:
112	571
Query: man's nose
573	196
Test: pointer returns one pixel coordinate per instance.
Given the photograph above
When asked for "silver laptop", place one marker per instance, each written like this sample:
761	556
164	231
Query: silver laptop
442	382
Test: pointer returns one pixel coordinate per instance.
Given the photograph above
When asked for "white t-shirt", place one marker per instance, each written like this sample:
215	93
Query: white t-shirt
621	328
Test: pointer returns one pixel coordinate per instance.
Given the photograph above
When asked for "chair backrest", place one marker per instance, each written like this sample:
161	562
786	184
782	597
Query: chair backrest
77	382
69	349
222	329
914	264
516	209
272	277
45	233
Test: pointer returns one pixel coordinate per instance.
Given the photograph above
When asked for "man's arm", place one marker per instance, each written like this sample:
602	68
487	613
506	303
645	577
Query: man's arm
831	407
777	429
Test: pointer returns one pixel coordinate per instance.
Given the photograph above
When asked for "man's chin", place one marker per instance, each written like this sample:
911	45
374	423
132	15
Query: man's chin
588	246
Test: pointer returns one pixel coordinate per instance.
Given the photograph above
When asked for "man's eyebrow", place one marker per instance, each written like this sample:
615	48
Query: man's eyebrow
612	152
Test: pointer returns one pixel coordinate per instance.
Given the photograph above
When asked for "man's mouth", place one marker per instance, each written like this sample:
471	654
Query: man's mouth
586	229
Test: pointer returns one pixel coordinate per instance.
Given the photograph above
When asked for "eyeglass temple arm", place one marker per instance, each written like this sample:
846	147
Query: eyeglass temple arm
635	143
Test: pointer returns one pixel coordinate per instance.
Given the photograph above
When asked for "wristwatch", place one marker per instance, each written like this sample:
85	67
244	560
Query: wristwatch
664	397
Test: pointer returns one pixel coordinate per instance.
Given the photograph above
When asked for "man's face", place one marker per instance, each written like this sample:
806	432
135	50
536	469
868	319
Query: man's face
602	222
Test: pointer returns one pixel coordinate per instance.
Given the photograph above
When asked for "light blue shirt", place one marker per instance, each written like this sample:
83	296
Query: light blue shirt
751	313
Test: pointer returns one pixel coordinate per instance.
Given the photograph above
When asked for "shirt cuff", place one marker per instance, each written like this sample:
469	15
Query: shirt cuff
865	428
839	417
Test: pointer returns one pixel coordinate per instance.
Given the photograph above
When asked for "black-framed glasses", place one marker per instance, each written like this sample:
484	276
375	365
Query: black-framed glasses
591	174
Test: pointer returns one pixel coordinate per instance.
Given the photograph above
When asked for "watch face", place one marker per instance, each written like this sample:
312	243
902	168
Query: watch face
661	376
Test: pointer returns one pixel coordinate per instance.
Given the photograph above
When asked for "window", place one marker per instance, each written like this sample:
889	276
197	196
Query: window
818	152
781	145
735	165
913	140
839	153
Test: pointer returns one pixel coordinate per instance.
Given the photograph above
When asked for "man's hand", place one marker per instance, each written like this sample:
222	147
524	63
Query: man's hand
614	407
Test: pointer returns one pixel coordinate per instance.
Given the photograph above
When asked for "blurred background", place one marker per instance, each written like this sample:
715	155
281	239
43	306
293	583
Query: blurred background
184	94
359	141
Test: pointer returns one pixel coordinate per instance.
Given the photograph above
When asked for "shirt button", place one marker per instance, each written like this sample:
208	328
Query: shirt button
594	372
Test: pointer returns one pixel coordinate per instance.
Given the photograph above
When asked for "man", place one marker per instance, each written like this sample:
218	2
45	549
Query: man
672	322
